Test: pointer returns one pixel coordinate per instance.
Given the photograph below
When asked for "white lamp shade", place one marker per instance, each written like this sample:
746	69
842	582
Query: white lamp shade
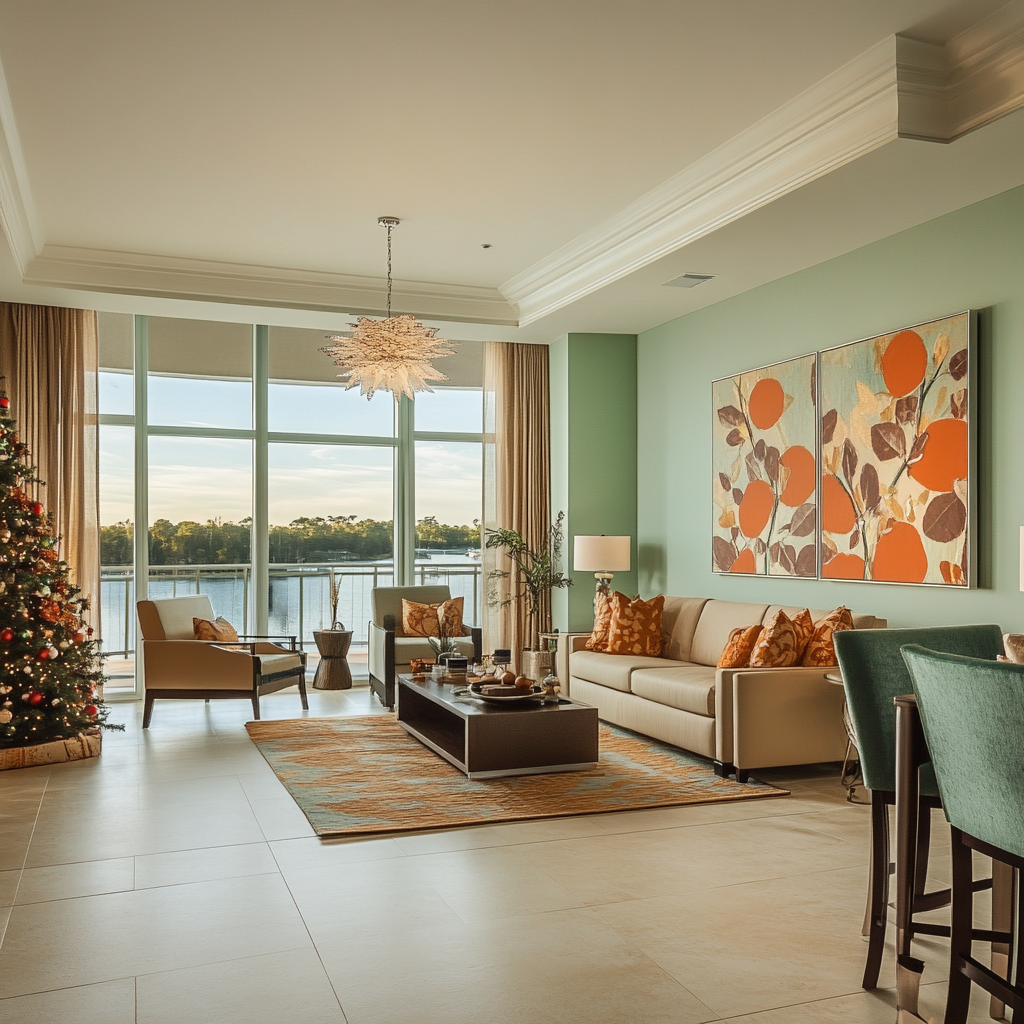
601	554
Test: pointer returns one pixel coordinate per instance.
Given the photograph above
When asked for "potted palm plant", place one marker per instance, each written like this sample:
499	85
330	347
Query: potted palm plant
535	573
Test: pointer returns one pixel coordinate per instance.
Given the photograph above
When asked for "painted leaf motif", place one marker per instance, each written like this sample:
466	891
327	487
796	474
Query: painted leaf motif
918	448
724	481
888	441
734	533
829	543
958	365
854	539
787	558
734	438
759	547
945	518
869	489
759	450
867	402
906	409
941	349
724	553
753	468
958	404
774	551
730	416
828	425
849	460
771	464
946	569
737	495
802	523
814	380
806	563
727	519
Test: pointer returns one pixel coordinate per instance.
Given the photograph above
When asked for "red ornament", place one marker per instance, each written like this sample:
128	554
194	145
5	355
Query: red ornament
37	508
35	699
78	638
89	631
7	635
5	403
91	710
44	654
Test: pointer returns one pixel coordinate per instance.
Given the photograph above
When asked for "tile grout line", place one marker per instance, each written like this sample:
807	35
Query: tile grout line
24	860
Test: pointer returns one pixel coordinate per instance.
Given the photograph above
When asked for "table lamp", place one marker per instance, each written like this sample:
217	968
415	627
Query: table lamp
603	556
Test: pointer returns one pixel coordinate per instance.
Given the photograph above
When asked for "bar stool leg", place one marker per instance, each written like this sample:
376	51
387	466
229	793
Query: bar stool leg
878	889
1002	921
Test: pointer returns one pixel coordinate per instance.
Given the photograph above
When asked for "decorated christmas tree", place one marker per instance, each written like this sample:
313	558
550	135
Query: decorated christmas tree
49	663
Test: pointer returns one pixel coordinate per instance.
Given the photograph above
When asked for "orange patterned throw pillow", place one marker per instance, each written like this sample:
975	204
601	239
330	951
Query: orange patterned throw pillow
425	619
602	623
820	651
220	631
636	626
740	646
804	631
776	647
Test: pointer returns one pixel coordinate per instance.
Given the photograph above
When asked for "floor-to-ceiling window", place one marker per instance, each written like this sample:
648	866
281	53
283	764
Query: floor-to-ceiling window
261	478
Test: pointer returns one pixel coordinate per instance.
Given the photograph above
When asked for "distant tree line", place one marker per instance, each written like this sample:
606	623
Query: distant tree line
317	539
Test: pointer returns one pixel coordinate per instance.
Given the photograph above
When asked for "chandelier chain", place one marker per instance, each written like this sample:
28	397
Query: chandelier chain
389	271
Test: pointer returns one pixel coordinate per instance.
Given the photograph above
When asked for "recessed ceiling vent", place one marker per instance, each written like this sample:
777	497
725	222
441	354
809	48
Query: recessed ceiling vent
689	280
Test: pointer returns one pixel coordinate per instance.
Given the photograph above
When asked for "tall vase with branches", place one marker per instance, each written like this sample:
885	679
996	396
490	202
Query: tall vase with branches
535	574
335	597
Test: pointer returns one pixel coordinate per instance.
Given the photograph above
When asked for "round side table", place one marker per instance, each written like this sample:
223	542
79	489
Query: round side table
333	672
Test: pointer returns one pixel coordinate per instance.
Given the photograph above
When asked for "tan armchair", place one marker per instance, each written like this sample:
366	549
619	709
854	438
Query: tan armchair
179	667
389	653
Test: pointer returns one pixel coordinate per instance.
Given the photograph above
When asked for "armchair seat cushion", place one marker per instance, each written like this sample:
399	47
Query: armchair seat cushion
274	664
409	647
686	687
614	670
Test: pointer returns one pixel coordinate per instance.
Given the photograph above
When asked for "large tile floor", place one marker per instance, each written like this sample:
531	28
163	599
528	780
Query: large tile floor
173	880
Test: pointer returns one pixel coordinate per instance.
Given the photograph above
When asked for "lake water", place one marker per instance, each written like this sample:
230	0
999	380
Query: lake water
299	595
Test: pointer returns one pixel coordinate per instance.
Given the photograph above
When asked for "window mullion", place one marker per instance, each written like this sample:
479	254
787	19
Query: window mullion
261	486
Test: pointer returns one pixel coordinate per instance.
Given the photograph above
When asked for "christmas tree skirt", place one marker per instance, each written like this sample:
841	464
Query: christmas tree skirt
75	748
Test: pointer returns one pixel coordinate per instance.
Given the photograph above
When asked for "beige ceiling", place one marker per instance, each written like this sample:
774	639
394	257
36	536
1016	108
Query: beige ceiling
274	135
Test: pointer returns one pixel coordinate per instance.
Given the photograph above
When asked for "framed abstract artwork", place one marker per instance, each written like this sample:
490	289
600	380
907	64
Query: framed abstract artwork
896	456
765	471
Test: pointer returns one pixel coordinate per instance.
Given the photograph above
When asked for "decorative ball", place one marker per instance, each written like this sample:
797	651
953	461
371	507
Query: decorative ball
44	655
27	670
37	508
7	635
35	699
5	716
91	710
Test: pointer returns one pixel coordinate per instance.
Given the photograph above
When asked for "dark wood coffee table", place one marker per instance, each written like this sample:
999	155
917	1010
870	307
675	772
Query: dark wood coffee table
490	740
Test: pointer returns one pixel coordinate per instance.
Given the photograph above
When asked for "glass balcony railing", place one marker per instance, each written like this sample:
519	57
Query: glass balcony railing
299	595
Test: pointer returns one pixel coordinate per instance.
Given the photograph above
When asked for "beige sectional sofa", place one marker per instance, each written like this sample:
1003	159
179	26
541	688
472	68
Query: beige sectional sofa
742	718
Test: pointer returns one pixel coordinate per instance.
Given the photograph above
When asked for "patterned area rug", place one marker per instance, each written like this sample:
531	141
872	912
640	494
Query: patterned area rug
358	776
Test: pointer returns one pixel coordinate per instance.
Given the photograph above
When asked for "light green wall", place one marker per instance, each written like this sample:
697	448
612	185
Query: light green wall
593	455
973	258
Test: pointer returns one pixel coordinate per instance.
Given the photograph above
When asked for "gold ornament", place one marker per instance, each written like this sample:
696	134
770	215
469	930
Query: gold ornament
389	355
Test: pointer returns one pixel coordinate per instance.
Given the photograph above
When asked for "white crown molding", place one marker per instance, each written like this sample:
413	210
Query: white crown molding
900	88
104	270
842	117
974	79
17	210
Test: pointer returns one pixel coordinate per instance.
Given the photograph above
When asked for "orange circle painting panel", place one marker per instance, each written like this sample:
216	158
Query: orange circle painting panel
944	459
800	485
767	403
900	556
756	508
904	363
837	513
843	567
744	562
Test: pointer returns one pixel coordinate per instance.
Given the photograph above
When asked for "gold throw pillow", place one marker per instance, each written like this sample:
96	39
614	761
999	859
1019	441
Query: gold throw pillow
636	626
820	650
776	647
740	646
219	631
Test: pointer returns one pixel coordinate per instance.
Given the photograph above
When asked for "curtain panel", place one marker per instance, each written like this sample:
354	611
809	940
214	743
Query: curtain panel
517	487
49	356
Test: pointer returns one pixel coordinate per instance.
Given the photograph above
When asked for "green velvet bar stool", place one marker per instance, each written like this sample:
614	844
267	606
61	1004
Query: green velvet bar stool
972	713
873	674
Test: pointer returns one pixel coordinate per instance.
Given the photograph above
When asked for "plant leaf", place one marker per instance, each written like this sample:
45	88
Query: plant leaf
771	464
734	438
918	448
958	365
724	481
724	553
737	495
888	441
869	489
958	404
854	539
759	450
941	349
945	518
849	461
802	523
727	519
806	562
753	468
906	409
828	425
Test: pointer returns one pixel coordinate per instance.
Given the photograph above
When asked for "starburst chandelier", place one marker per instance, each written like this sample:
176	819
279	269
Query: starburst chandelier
389	355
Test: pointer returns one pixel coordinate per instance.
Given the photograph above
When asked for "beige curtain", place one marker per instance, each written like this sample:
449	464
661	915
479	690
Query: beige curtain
516	475
49	356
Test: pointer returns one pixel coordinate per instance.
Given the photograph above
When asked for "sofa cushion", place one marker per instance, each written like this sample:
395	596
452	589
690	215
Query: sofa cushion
777	645
717	620
687	687
271	664
818	614
636	626
678	621
612	670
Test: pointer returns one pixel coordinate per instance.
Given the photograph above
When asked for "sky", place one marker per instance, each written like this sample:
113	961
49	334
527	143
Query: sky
211	478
